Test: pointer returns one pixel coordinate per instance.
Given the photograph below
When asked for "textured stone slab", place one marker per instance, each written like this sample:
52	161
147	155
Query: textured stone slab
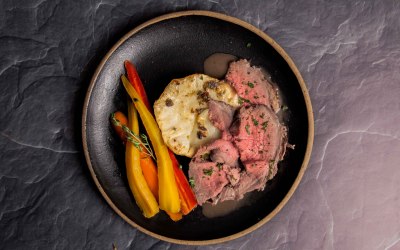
347	51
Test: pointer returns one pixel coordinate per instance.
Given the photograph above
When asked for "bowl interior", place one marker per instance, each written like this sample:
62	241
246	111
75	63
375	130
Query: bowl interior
174	48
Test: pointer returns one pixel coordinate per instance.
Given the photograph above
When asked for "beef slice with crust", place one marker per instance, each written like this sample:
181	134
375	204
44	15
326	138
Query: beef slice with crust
251	85
219	151
221	115
261	141
212	168
209	180
257	133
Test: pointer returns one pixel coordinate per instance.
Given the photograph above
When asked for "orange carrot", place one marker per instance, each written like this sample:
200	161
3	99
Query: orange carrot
175	216
119	116
147	164
149	170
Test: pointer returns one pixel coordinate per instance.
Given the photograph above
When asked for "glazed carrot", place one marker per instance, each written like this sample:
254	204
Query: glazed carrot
149	170
147	164
168	191
134	79
175	216
140	190
119	116
188	200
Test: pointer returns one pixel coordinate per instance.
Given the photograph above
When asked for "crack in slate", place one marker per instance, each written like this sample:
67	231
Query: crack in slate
38	146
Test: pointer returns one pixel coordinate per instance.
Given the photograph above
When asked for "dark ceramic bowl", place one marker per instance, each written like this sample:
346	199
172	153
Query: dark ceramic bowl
173	46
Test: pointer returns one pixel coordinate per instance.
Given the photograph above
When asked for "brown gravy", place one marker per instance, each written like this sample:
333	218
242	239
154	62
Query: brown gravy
225	207
217	64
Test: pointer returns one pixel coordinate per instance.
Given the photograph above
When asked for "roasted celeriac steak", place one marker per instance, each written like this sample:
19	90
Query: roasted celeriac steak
182	111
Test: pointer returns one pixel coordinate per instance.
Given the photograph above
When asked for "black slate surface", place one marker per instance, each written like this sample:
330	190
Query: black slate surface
347	51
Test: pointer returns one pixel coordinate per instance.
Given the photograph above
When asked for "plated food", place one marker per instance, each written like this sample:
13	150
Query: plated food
229	127
159	63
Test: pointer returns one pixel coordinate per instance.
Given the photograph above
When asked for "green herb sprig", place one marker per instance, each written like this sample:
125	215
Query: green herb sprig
139	141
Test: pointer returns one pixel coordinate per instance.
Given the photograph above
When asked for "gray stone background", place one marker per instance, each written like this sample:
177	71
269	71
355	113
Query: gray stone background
347	51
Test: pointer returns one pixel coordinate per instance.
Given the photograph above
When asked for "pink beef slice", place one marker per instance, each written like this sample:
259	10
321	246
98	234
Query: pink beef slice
227	193
251	85
219	151
220	114
209	180
254	178
261	141
232	173
212	168
257	134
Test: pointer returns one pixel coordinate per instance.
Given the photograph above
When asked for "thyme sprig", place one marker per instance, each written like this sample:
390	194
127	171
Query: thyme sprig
139	141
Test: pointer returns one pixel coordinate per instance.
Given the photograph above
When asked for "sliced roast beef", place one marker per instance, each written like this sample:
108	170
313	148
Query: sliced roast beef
209	180
253	140
251	85
213	167
261	141
248	183
254	178
219	151
257	133
227	193
220	114
232	173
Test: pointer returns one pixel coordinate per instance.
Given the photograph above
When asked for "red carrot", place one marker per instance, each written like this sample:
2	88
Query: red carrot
188	200
134	79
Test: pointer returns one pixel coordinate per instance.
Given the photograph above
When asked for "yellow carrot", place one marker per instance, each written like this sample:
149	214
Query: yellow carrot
149	168
140	190
168	190
175	216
